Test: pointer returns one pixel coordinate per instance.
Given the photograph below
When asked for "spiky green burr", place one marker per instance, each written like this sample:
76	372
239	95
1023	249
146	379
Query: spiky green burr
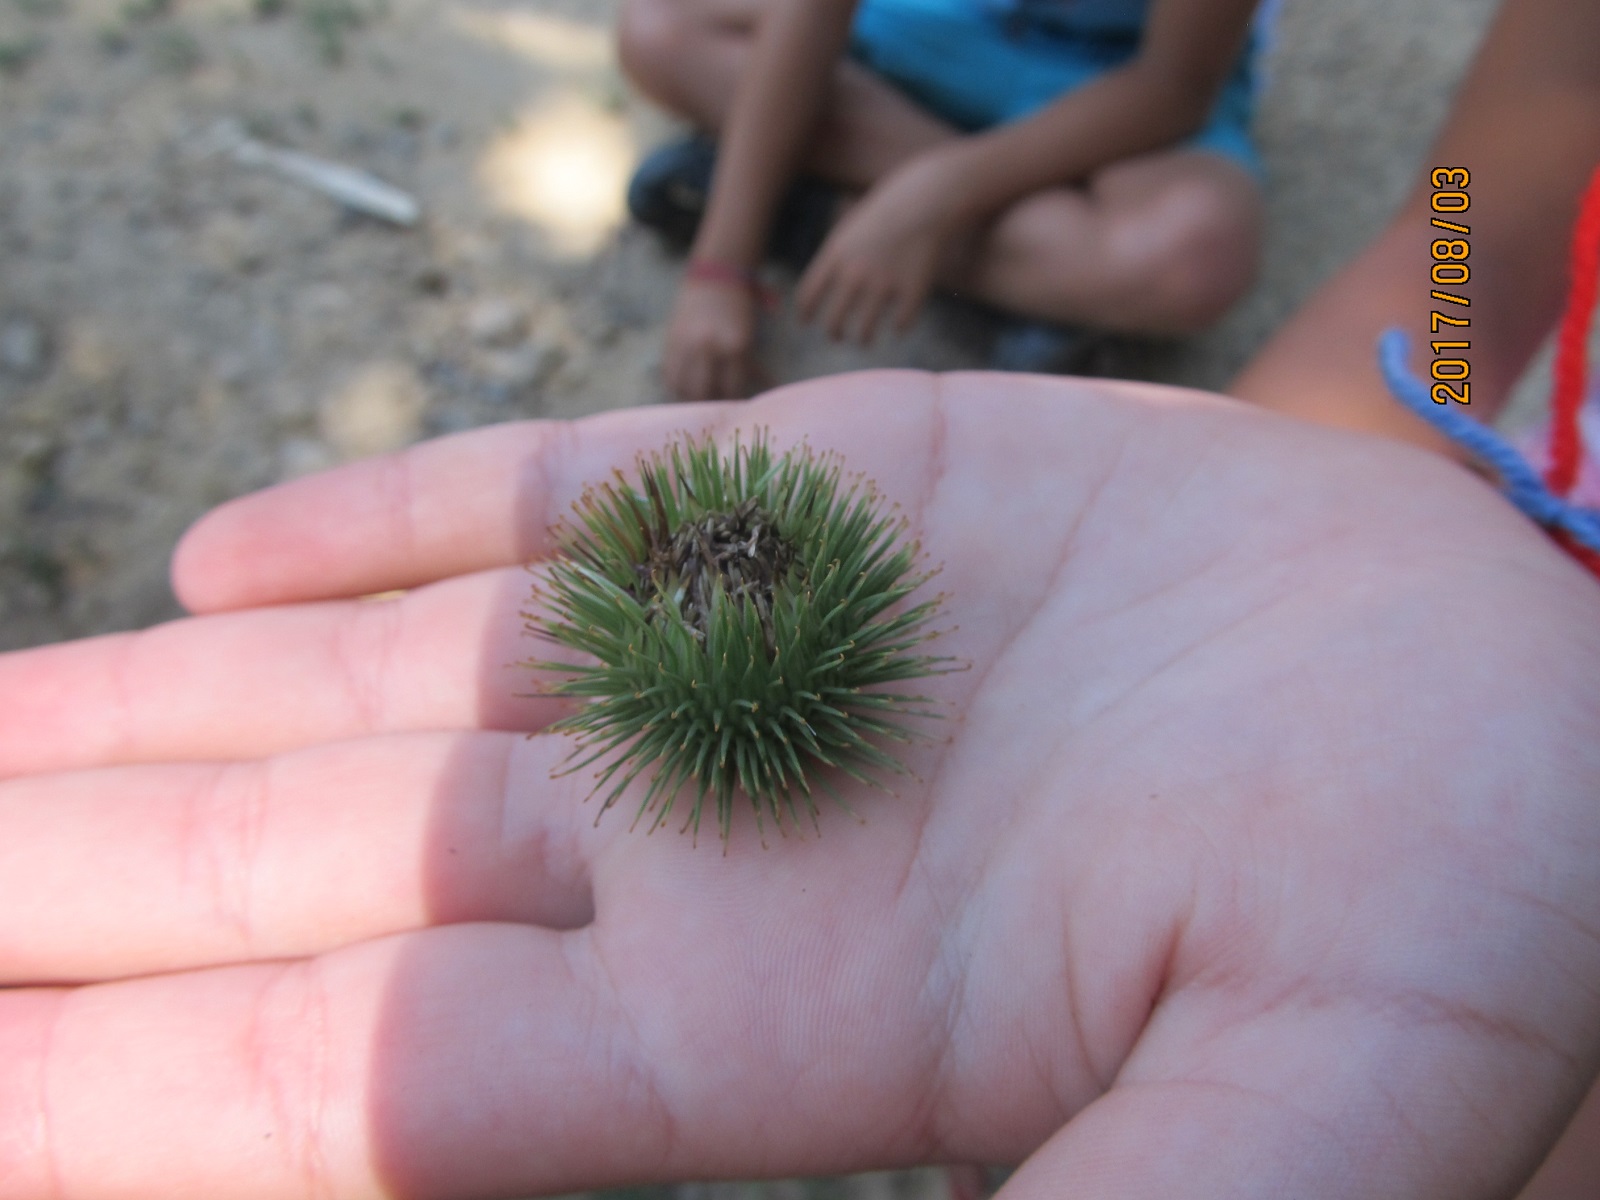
743	614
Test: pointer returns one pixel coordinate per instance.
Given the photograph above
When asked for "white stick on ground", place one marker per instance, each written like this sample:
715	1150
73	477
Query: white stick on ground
352	188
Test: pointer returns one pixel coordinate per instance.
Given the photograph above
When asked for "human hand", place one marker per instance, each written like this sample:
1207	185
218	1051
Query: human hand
1259	856
710	346
878	262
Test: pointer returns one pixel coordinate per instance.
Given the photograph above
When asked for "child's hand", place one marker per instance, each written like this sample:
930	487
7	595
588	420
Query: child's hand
1258	856
880	259
711	339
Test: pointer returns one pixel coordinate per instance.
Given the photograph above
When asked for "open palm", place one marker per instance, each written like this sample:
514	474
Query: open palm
1258	857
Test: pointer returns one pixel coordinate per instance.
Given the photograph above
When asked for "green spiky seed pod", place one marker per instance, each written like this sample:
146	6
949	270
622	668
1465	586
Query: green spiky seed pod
743	614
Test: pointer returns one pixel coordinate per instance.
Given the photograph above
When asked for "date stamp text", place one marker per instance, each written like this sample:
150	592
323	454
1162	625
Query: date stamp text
1450	273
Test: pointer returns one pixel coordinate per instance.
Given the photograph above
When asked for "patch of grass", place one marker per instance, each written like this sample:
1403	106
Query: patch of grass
113	39
41	8
330	23
145	10
262	126
37	566
17	53
42	568
175	51
826	1188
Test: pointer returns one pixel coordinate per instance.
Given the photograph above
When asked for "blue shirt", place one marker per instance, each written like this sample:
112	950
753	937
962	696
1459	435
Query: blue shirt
1080	18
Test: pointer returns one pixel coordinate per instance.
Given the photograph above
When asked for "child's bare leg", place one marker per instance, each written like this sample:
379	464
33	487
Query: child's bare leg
1163	243
686	55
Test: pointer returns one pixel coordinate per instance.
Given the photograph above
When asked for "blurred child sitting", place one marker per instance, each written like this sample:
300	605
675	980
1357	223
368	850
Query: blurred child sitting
1080	162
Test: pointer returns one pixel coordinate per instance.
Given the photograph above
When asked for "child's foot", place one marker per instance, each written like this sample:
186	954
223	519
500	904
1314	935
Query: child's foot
1041	348
669	191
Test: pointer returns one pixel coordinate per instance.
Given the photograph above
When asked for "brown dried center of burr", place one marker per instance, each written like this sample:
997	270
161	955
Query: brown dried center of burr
740	550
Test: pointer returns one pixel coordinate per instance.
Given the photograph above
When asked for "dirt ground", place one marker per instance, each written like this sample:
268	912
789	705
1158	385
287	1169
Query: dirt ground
177	328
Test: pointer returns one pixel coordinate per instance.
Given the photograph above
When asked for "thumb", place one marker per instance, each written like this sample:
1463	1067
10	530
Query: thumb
1409	1115
1191	1141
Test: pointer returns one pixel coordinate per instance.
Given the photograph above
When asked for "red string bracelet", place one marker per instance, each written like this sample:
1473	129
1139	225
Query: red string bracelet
710	270
1572	354
1572	361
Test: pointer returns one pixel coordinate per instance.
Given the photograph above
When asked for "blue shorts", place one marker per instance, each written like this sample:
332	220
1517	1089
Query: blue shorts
975	70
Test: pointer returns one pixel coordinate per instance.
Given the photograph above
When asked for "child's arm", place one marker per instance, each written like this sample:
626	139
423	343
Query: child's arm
883	254
1162	95
1526	125
779	98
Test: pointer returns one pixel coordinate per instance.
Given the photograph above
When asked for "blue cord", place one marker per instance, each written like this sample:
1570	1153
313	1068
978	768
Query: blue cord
1520	482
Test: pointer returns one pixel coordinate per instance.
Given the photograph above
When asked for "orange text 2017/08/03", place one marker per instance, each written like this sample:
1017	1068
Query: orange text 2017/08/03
1448	322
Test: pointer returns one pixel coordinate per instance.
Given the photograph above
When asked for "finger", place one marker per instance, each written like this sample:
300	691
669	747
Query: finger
907	304
731	383
488	497
813	287
697	377
250	684
463	503
873	303
139	870
716	367
841	304
472	1060
672	374
760	379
